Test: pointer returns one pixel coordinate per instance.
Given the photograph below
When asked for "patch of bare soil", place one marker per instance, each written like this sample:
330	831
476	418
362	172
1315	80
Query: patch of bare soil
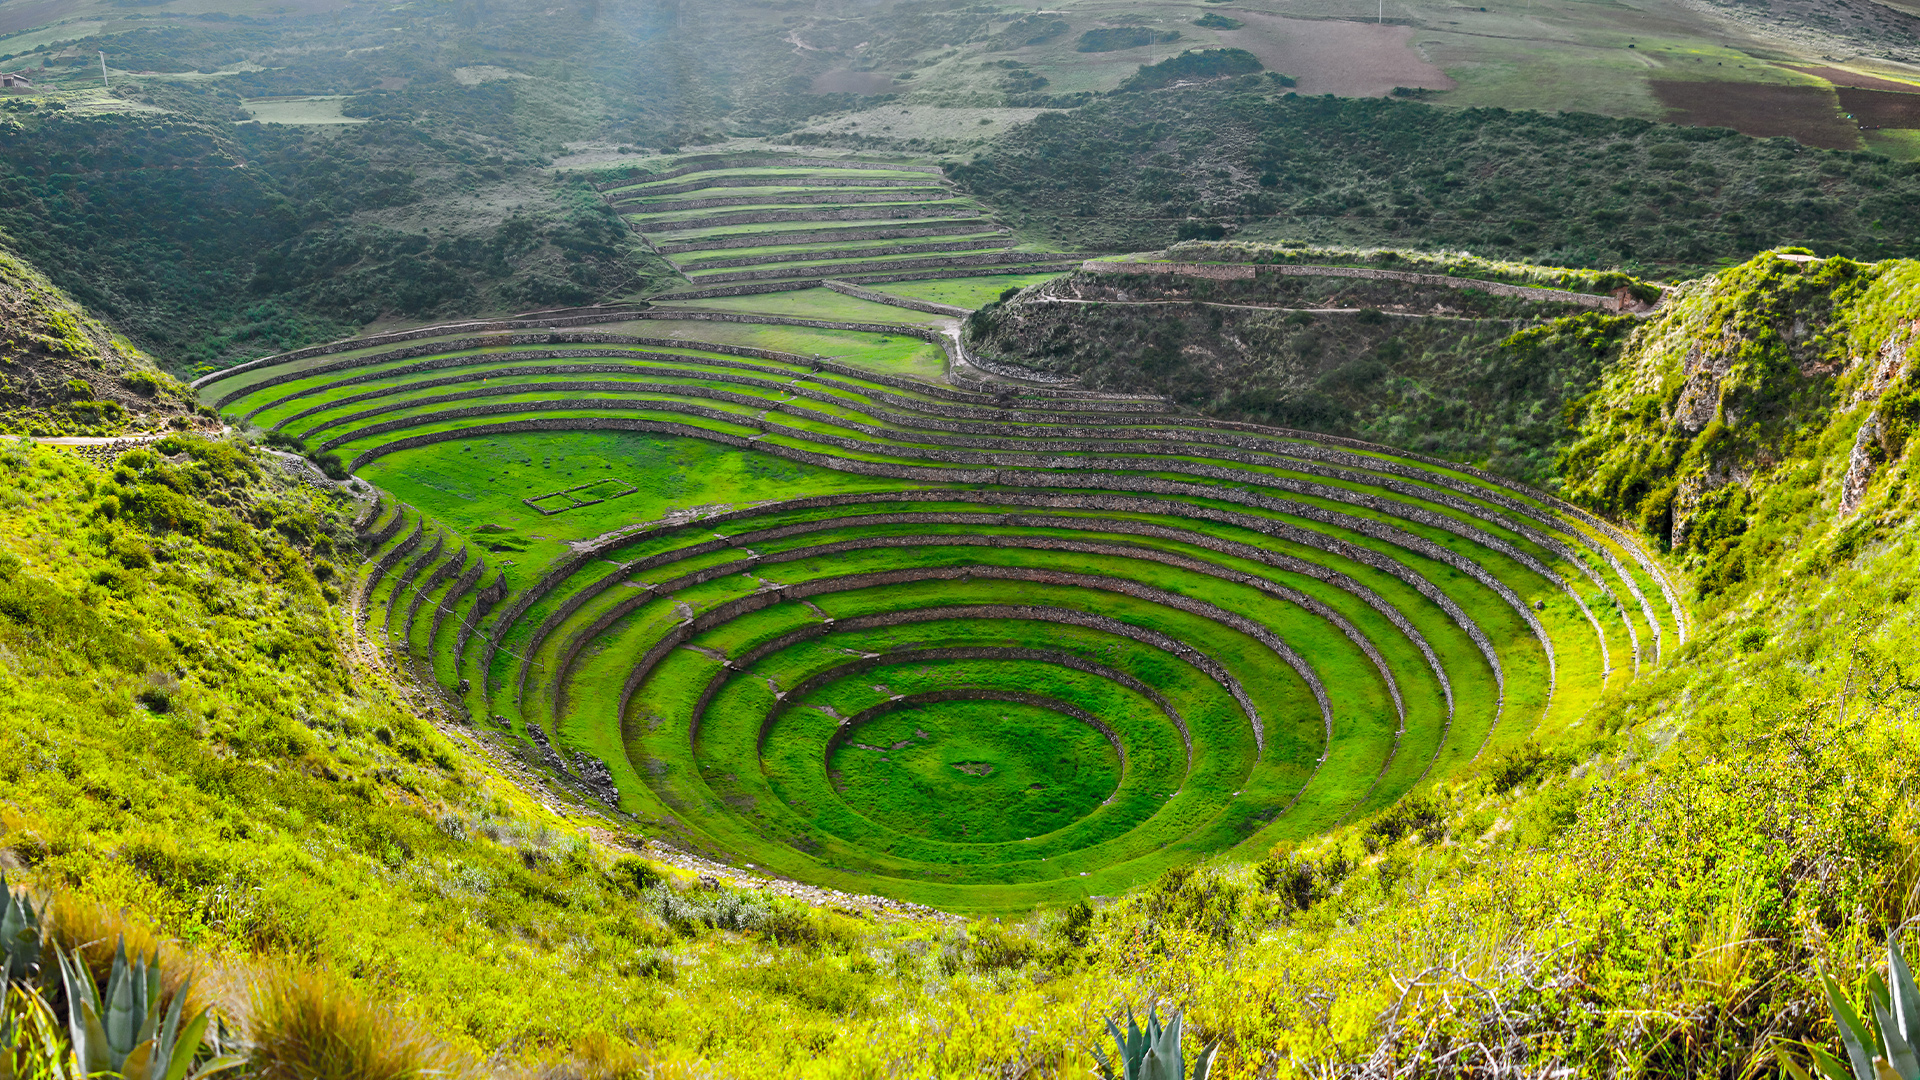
1878	109
1347	59
1810	114
851	82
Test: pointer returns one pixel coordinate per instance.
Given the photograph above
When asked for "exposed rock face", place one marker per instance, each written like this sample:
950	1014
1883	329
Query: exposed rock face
1861	464
1699	399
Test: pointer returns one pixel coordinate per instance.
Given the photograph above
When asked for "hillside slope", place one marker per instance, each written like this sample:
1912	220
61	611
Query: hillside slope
1449	369
63	372
1761	405
196	734
1247	156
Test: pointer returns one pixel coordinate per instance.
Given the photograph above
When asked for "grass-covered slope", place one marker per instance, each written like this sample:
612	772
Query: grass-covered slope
1648	895
194	733
820	647
1139	171
1761	405
729	561
63	372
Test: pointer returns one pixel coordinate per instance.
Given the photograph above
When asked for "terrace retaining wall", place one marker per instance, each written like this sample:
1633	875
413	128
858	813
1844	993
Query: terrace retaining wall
1247	271
1151	485
809	198
828	254
870	279
995	258
645	188
826	236
711	162
1042	501
952	208
469	570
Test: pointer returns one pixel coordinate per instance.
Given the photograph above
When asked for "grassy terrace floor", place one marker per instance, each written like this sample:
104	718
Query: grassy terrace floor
818	610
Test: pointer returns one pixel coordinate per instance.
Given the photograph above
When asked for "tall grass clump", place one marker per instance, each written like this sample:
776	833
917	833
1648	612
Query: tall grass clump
305	1026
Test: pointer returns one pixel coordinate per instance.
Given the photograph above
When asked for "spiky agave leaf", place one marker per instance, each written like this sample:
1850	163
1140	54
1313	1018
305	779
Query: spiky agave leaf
1153	1053
1854	1035
1897	1052
1204	1067
1906	997
21	936
84	1028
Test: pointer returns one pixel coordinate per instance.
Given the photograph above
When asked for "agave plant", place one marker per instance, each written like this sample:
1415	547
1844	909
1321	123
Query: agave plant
1880	1045
20	937
1152	1053
125	1032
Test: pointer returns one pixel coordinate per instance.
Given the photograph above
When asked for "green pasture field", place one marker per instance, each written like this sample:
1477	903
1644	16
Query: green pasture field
975	772
885	354
820	303
830	267
769	190
974	292
1899	143
300	110
777	171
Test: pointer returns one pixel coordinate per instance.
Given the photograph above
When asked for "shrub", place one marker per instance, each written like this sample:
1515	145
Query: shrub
1191	902
1190	66
1414	815
32	1045
1113	39
635	875
1517	765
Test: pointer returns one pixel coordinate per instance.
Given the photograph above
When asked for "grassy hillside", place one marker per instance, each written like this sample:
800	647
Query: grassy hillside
213	744
63	372
1722	429
248	788
1245	156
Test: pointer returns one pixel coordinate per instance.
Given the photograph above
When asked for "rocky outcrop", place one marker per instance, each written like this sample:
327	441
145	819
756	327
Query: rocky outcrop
1862	461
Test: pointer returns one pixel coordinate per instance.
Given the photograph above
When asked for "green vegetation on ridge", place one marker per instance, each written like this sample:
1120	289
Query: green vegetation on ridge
1137	173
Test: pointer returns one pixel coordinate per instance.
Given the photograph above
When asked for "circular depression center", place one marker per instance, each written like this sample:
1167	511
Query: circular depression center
976	771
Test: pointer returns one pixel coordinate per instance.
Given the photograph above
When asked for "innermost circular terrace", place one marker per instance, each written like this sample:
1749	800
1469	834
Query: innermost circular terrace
974	769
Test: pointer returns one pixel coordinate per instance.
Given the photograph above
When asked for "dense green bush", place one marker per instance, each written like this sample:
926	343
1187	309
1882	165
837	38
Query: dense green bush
1193	65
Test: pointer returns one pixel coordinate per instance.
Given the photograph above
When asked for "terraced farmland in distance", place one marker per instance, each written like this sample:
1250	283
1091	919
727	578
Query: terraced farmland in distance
744	224
786	595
